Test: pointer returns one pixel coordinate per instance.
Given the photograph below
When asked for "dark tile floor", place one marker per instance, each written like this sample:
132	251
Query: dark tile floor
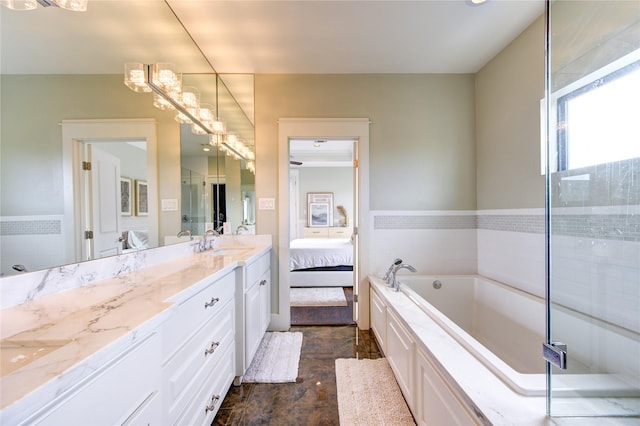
312	400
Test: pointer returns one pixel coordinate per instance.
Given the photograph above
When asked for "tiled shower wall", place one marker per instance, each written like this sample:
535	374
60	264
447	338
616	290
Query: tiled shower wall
33	241
596	252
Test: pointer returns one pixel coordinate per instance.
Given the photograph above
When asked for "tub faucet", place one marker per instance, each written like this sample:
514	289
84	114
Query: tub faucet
387	276
203	242
185	232
395	284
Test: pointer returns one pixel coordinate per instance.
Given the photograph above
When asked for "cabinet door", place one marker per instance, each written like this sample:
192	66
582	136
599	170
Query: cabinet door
378	320
436	402
253	330
400	353
265	301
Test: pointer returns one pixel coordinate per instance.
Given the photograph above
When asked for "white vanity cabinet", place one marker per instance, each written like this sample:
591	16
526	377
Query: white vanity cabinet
256	309
198	353
123	389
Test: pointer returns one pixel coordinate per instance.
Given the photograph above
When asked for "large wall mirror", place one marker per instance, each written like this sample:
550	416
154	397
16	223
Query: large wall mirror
63	101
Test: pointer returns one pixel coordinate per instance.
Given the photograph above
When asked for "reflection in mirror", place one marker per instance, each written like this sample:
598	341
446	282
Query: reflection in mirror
220	185
80	77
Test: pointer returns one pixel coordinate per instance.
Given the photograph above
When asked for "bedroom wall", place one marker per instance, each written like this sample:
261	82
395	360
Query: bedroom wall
337	180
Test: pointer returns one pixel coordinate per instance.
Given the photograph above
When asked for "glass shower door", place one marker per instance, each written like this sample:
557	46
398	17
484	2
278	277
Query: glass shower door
593	199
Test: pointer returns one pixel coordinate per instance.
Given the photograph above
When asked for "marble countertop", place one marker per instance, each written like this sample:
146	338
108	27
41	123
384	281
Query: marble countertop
65	336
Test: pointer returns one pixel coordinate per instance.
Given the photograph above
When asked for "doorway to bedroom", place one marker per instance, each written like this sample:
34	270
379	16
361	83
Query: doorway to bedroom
322	188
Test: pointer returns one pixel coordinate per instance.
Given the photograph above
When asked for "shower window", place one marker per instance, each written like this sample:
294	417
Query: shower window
597	117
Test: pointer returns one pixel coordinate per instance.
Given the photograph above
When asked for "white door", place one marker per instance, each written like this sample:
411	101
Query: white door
294	216
105	203
356	231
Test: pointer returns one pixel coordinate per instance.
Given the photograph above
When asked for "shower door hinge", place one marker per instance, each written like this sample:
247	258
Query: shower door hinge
88	235
86	165
355	230
355	298
355	164
555	353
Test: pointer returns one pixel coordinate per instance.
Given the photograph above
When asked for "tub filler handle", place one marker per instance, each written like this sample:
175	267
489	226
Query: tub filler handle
556	354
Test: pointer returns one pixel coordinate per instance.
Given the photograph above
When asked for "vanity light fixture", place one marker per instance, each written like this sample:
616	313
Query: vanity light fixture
74	5
166	85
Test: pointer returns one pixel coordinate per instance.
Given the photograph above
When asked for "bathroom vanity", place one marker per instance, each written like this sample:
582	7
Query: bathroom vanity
157	345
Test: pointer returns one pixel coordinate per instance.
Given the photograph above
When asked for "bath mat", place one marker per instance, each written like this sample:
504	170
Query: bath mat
368	394
276	360
318	296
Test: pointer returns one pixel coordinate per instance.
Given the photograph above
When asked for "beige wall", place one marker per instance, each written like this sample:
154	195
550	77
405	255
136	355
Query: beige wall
31	148
508	93
422	153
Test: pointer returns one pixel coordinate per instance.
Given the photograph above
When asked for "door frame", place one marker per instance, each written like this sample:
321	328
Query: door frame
74	134
334	128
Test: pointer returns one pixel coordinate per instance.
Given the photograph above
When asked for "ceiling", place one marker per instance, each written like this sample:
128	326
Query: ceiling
265	36
431	36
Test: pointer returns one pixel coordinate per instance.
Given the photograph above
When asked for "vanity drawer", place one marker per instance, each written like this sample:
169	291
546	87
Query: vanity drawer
203	407
186	370
115	393
191	314
257	268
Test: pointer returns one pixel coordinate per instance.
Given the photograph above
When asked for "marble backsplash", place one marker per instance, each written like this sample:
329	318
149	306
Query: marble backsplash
22	288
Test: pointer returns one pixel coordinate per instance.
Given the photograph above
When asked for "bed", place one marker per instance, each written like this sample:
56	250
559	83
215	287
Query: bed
321	262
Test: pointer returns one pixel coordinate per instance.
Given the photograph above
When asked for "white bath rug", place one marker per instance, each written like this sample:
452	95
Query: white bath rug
318	296
368	394
276	360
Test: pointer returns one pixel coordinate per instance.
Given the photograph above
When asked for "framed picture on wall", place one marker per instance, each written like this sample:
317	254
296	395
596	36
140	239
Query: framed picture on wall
142	198
126	196
318	214
320	208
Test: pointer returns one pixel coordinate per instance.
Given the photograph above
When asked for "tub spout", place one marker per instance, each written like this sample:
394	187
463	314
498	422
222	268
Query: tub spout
395	284
387	276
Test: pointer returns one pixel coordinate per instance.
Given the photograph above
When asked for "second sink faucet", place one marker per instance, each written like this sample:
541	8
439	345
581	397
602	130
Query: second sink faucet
204	245
394	282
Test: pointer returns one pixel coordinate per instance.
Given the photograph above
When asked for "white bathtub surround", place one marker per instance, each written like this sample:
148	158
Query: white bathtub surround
487	384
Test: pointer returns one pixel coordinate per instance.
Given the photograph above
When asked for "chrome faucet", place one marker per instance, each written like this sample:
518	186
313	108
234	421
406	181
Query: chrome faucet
243	227
203	241
185	232
395	284
387	276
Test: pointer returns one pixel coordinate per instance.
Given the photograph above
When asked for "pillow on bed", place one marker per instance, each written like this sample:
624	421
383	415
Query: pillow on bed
138	240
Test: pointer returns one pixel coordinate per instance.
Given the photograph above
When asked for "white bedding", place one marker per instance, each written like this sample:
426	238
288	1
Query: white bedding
320	252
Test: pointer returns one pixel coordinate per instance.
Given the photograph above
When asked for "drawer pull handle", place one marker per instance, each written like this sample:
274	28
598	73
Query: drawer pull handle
212	405
212	348
263	282
213	301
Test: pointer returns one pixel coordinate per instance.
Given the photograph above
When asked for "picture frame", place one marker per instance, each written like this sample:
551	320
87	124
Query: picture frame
320	209
142	198
319	214
126	196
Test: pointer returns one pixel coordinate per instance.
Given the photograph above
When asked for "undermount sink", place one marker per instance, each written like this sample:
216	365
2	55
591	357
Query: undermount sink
228	251
17	353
